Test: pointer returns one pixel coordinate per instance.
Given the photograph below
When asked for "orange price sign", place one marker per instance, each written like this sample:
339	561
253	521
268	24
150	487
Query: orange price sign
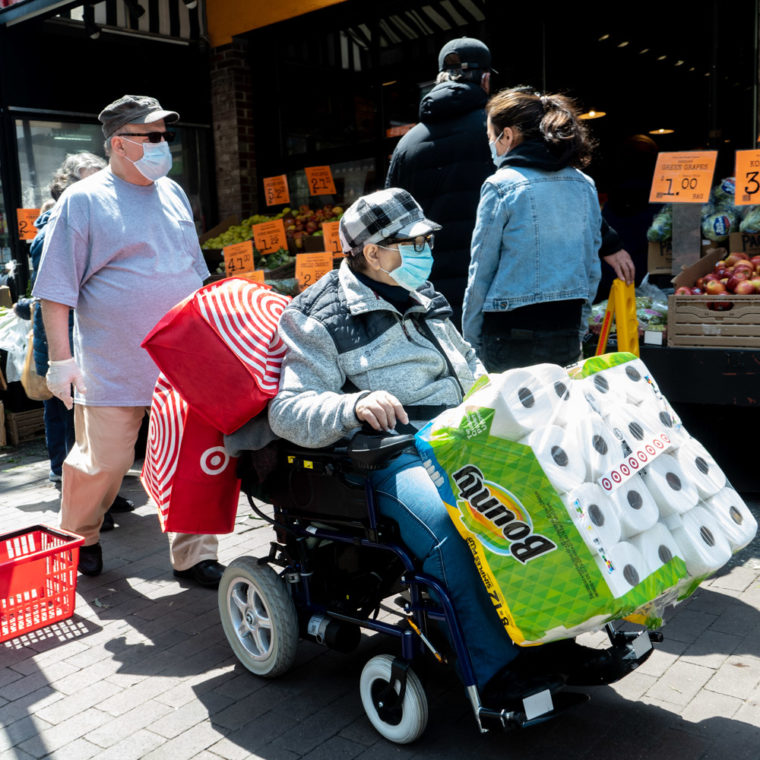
25	218
747	177
269	237
311	266
320	180
256	276
332	239
238	258
683	177
276	190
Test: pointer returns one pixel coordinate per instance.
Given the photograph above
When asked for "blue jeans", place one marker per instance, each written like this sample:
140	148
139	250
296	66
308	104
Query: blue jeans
59	431
405	493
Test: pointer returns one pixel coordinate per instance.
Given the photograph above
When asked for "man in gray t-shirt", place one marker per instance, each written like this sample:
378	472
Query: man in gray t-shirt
121	249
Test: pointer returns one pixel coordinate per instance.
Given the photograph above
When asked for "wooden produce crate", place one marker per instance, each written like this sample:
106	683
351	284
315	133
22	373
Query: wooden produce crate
24	426
714	321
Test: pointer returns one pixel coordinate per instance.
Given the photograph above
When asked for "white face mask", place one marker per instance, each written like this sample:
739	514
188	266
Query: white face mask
156	160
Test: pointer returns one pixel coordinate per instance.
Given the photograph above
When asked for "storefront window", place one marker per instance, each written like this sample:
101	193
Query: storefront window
43	146
5	243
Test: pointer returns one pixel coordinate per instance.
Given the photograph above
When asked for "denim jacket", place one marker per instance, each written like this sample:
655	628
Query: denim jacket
536	239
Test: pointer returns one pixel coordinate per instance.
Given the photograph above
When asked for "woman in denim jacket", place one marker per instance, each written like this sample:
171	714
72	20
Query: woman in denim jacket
535	247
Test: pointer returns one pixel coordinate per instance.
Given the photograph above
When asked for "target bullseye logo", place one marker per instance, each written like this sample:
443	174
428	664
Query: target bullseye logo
606	484
214	460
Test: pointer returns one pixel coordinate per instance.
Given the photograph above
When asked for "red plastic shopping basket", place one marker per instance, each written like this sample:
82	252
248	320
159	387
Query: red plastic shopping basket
38	578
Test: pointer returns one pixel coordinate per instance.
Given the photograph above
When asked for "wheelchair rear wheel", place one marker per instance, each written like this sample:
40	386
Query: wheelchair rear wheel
401	722
258	617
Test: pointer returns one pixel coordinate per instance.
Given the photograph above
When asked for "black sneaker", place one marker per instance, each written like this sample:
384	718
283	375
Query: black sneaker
90	560
120	504
584	666
507	689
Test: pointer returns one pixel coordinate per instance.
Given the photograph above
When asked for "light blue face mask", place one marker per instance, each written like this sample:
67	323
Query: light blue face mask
415	266
156	160
495	157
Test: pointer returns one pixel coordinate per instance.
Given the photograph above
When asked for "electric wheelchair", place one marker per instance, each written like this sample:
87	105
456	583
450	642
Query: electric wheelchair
336	568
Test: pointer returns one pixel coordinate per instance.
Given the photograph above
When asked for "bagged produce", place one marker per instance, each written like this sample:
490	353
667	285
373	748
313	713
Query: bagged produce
187	471
750	223
219	349
662	225
718	224
577	495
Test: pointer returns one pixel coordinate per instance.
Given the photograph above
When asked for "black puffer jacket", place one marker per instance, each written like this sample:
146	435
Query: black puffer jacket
442	162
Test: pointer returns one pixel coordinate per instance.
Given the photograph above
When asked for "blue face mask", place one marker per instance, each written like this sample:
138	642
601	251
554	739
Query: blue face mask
156	160
415	266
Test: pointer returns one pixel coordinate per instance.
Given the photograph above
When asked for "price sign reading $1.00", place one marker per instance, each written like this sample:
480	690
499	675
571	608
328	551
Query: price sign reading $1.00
320	180
26	218
276	190
311	266
332	239
747	177
683	177
269	237
238	258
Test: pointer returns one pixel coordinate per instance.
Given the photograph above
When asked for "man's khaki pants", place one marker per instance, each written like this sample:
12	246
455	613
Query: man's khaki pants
93	472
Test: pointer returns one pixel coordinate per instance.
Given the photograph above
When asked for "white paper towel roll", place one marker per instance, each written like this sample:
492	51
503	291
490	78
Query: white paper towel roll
594	515
522	402
672	490
656	414
622	567
631	381
657	546
700	468
560	460
601	448
628	425
701	542
636	507
559	386
736	521
598	393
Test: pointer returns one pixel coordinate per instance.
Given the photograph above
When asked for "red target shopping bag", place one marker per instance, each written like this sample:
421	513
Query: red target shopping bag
187	471
220	350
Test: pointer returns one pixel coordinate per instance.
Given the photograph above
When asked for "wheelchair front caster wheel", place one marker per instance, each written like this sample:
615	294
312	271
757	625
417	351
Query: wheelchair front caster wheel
398	720
258	617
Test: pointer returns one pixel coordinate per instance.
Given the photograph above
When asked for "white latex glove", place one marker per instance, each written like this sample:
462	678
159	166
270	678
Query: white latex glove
61	375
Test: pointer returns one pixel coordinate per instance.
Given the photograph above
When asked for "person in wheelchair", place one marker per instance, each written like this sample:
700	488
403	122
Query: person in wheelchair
372	344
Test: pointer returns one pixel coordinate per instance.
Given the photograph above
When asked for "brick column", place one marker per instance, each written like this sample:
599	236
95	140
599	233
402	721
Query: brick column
231	96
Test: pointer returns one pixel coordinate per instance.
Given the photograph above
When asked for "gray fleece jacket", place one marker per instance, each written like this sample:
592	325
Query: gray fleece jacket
344	341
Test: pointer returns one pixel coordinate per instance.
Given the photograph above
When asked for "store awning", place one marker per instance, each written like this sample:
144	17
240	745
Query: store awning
227	18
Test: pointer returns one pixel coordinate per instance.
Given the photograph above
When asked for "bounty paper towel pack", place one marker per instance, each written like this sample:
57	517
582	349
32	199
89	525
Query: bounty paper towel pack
581	496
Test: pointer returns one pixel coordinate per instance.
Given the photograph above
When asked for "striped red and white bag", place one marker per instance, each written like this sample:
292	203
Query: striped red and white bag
220	350
187	471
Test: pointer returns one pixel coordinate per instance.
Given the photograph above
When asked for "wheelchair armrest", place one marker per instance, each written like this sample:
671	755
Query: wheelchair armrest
370	451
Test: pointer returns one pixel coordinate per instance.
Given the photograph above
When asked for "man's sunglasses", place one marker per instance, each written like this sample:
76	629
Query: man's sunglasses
418	242
153	137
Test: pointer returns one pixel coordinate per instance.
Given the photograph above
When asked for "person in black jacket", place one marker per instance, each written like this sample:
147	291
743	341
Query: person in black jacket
444	159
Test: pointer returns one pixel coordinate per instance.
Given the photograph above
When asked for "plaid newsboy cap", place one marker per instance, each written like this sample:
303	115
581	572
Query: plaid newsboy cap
385	214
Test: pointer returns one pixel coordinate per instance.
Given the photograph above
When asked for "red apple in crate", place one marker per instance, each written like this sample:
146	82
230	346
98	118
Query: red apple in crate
755	261
707	278
738	276
744	288
715	287
683	291
755	284
743	265
732	258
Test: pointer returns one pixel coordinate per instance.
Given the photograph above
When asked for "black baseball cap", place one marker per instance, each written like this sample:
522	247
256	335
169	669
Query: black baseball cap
473	54
133	109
